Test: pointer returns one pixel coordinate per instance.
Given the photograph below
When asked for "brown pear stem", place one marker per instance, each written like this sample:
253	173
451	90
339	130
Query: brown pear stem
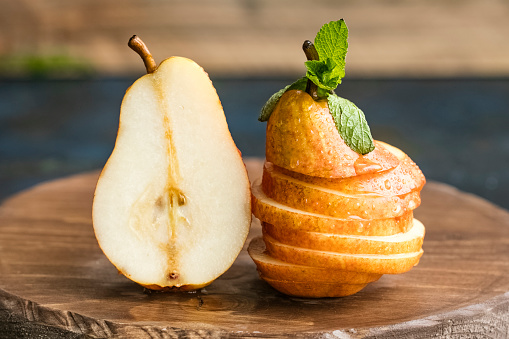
311	54
139	47
310	50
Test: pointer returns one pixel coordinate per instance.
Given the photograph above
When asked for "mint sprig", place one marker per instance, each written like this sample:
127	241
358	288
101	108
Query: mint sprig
324	74
351	124
331	44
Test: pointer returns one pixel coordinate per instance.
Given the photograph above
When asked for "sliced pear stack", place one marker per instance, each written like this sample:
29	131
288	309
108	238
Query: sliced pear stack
333	220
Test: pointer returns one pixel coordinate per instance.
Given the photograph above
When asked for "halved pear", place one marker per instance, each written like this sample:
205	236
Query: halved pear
279	215
172	204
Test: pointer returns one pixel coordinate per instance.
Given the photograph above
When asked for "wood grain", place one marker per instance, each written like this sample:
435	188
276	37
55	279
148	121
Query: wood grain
55	281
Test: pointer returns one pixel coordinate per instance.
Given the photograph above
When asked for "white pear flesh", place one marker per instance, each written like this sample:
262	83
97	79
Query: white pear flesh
172	204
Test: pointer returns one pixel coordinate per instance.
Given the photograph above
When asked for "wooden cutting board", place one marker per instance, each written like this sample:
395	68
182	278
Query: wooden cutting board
56	282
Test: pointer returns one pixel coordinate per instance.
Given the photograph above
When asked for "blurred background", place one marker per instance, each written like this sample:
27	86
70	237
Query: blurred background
431	76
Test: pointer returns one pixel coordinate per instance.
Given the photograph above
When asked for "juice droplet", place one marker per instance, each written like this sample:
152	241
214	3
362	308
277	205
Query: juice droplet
387	184
365	166
294	163
360	227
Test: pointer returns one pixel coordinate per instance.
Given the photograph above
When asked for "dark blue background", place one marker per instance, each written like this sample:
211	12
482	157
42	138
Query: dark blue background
455	129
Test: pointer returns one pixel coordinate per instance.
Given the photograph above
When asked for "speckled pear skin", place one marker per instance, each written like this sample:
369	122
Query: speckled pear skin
302	137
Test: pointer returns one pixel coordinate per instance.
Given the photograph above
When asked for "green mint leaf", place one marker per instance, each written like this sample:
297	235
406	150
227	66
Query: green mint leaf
323	93
273	100
325	74
271	104
331	42
299	84
351	124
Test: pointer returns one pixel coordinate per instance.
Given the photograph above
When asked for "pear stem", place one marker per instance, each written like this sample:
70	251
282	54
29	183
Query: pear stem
310	50
137	45
311	54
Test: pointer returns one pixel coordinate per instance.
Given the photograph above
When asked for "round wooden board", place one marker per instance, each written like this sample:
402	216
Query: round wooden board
55	281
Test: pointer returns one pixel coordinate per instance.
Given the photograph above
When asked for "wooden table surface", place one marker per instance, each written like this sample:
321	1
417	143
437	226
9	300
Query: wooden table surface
55	281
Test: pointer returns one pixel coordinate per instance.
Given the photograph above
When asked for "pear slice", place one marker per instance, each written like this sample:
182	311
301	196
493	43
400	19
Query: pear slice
172	204
368	263
279	215
402	179
276	269
316	199
410	241
313	289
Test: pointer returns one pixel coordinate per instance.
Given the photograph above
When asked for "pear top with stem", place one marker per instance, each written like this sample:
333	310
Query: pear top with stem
311	54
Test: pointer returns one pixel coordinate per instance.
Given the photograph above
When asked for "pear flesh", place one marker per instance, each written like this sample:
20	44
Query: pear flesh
172	204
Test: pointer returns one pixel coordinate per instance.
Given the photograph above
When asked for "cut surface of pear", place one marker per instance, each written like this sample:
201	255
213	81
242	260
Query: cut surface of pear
172	204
